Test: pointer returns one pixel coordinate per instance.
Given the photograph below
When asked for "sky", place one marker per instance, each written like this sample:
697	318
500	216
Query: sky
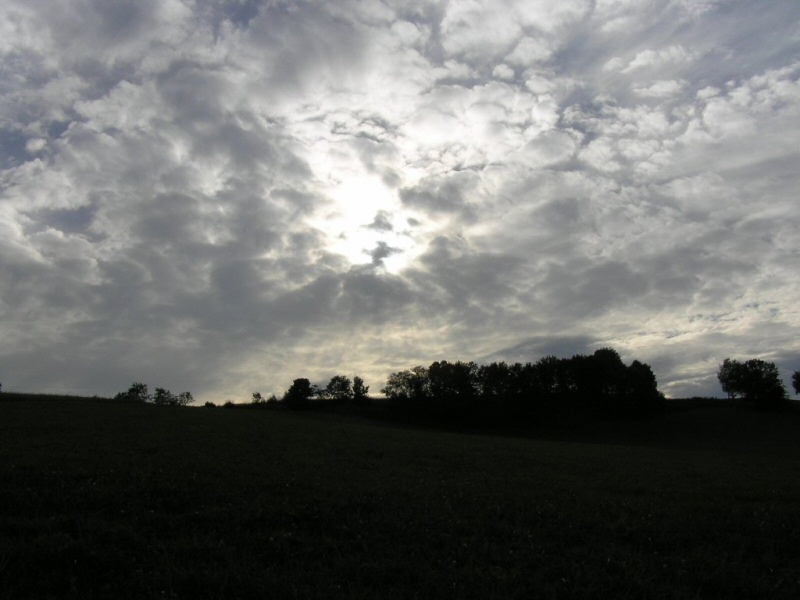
220	196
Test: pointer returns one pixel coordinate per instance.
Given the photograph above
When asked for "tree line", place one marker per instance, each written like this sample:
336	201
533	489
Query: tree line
547	391
551	390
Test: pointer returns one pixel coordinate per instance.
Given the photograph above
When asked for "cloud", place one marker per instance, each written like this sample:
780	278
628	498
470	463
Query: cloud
661	89
656	59
221	196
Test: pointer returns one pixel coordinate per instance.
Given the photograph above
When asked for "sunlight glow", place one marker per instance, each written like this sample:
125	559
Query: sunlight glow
367	223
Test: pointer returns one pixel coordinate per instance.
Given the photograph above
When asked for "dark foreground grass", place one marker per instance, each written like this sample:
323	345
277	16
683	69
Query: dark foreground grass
107	500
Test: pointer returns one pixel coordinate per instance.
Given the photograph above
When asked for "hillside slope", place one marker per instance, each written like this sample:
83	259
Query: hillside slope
106	500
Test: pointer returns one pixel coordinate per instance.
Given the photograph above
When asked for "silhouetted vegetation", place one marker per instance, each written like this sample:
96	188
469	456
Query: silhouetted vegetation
796	382
299	394
138	392
302	395
259	401
755	381
360	391
552	390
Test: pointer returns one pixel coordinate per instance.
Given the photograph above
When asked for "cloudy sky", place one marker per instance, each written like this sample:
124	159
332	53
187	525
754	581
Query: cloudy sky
223	195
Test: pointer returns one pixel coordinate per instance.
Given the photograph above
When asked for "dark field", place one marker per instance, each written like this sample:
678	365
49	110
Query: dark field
119	500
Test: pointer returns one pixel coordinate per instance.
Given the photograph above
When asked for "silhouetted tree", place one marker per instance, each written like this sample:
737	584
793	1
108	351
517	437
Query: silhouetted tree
599	381
137	392
456	380
552	384
339	389
493	381
258	400
796	382
409	385
551	377
184	399
164	397
642	388
453	388
756	381
732	377
299	394
360	391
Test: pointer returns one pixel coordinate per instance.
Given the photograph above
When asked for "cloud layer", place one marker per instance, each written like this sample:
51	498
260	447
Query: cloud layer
222	196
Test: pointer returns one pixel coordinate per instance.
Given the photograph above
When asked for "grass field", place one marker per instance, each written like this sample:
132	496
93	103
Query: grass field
118	500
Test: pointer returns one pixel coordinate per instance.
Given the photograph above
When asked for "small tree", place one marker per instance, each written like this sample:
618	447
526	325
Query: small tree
164	397
262	402
184	399
136	393
796	382
360	391
299	394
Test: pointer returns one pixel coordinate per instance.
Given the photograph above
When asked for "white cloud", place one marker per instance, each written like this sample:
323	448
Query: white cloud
221	200
503	71
653	59
529	52
661	89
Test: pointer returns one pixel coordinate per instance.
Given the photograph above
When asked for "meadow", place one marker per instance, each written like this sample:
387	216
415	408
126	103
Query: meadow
103	499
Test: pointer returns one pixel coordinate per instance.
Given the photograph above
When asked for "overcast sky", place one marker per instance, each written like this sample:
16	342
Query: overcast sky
220	196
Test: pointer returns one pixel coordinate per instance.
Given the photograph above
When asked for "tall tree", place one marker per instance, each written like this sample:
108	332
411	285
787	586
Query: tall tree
732	376
642	387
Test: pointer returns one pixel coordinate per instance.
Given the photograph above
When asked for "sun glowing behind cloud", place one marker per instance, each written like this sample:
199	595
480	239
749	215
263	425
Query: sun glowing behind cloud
367	224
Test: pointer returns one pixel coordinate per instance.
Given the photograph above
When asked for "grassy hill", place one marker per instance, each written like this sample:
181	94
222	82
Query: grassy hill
120	500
